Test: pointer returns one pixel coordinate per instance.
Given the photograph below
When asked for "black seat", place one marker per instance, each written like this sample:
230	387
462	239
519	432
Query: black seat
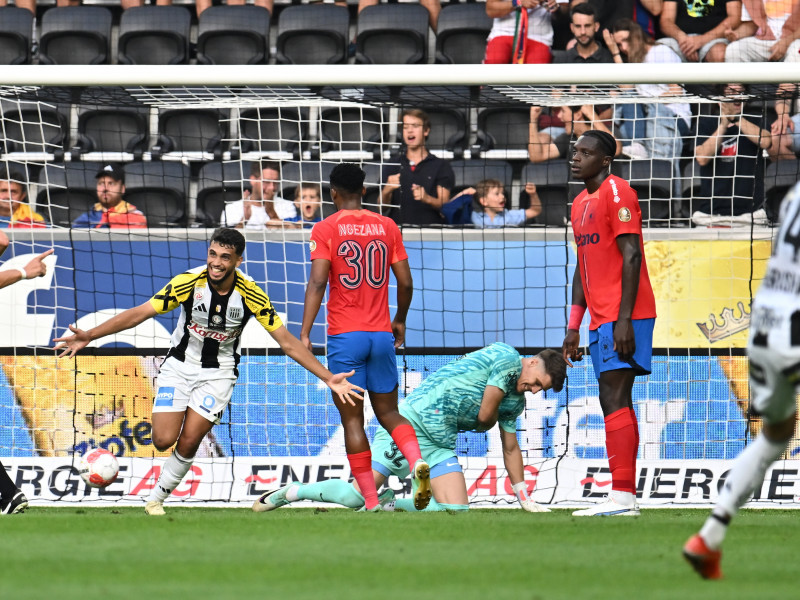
219	183
653	181
154	35
392	34
66	191
191	134
315	34
39	130
552	185
233	35
470	172
779	178
351	133
503	133
159	189
75	35
275	133
15	35
112	130
461	33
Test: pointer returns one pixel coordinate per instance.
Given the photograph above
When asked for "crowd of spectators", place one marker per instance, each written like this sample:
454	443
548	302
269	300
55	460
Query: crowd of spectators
727	144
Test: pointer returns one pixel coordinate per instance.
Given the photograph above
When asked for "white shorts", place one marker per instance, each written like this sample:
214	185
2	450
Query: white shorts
181	385
774	364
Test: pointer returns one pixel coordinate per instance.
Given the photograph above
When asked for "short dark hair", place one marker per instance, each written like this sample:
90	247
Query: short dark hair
555	366
348	178
307	185
257	167
584	8
231	238
605	140
14	176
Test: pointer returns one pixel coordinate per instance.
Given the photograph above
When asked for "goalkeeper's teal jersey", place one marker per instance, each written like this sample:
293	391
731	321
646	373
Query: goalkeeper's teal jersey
449	400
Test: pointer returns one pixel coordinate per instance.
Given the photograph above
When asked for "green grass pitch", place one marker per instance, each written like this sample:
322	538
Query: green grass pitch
292	554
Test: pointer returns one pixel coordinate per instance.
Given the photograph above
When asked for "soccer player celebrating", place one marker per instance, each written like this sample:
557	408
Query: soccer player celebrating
196	380
471	393
355	249
611	280
12	500
774	352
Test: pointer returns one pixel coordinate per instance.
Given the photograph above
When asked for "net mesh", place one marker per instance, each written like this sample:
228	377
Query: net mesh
188	154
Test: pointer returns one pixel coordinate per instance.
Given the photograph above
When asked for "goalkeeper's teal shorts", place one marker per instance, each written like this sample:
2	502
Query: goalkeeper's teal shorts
388	460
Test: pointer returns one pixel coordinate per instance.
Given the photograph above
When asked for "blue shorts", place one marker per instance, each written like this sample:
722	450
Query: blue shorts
370	354
605	358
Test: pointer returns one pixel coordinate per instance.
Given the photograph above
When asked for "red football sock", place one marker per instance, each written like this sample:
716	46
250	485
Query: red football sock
361	467
405	438
621	433
636	429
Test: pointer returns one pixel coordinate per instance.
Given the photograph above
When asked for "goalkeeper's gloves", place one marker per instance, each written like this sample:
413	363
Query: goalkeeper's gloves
525	501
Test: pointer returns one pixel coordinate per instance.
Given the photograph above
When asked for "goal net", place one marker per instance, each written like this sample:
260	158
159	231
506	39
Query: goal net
194	142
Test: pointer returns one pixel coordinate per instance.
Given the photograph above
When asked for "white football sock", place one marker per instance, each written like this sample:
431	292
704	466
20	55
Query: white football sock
746	474
172	473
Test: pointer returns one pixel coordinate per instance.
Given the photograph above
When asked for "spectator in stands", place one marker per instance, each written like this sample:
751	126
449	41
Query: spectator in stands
666	124
608	12
15	212
696	30
584	26
308	202
489	205
522	31
543	146
421	182
769	32
785	129
434	8
646	13
111	211
201	5
729	145
260	207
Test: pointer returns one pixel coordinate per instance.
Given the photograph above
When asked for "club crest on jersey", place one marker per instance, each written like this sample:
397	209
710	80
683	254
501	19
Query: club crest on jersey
198	295
216	321
624	214
312	245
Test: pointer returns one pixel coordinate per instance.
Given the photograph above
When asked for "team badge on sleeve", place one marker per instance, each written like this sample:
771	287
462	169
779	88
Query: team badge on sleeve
624	214
312	245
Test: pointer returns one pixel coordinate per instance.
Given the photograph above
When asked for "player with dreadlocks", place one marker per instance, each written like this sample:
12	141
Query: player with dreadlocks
611	280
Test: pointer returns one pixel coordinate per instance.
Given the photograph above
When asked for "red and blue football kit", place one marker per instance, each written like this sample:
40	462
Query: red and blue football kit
597	220
361	246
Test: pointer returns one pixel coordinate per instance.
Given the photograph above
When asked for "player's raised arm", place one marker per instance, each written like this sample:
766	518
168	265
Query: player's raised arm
295	349
34	268
69	345
512	458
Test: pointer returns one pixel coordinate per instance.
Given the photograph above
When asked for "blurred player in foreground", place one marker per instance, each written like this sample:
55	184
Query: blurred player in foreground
471	393
774	352
353	251
611	279
12	500
196	379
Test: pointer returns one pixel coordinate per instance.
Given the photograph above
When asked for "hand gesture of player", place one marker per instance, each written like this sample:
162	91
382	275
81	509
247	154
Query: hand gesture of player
345	390
36	267
570	347
69	345
418	192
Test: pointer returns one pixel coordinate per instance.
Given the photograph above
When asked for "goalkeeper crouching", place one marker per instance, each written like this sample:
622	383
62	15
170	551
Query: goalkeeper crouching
471	393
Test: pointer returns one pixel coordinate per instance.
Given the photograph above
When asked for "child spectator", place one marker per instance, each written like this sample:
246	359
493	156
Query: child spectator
489	205
308	201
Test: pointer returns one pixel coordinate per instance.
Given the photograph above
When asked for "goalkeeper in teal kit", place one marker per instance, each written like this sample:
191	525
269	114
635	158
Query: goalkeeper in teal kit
472	393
